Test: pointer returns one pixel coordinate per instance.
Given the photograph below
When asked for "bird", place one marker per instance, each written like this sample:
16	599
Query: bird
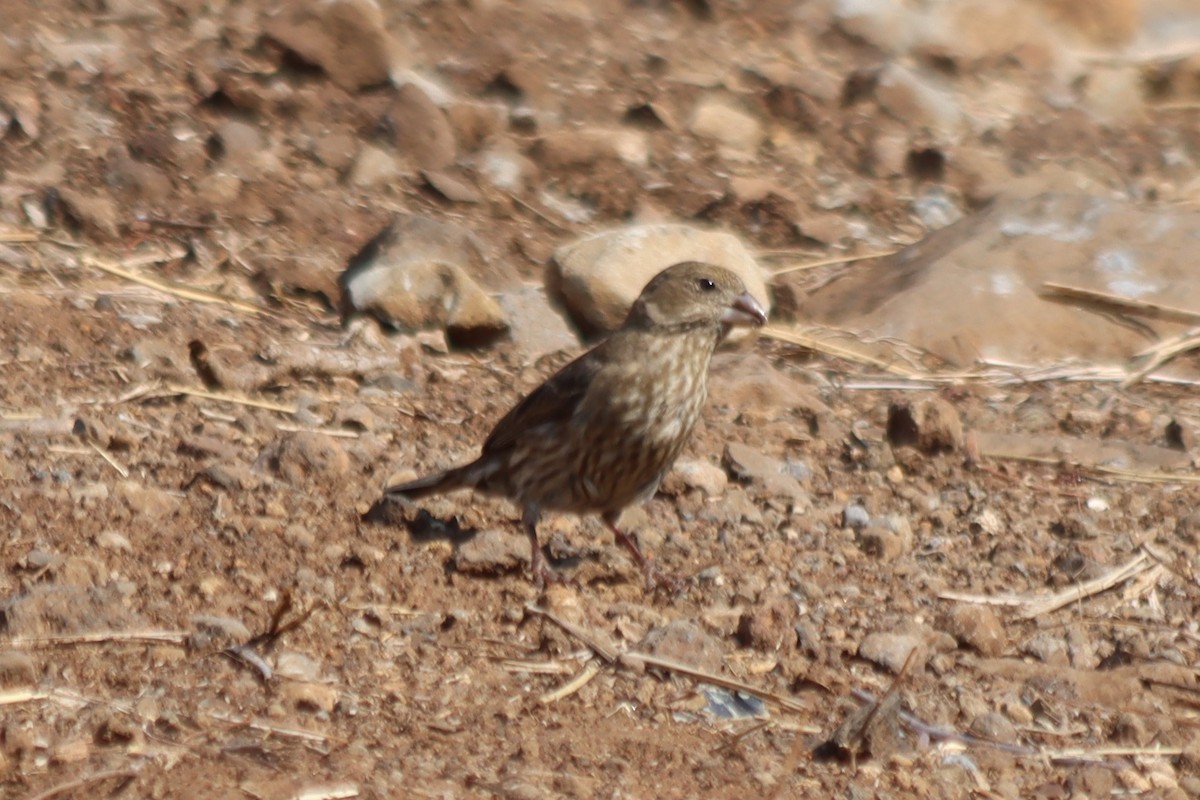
599	435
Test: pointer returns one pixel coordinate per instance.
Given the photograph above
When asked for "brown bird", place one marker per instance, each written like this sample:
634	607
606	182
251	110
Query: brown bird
600	434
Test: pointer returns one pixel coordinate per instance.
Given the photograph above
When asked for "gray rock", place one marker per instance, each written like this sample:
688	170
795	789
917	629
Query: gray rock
536	327
758	391
882	543
575	147
504	166
415	274
977	627
236	142
491	552
147	501
599	276
1048	648
374	166
684	641
995	727
765	474
420	130
891	650
304	455
986	274
96	213
936	208
800	470
112	540
855	516
747	463
702	475
218	189
723	121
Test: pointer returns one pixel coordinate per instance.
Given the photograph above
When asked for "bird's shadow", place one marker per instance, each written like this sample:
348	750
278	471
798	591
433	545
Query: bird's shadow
423	528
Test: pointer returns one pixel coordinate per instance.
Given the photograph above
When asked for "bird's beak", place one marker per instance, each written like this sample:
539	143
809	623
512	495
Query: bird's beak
744	312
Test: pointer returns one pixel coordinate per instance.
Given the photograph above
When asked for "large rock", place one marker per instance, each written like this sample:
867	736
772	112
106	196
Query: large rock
597	278
974	290
417	273
420	130
346	38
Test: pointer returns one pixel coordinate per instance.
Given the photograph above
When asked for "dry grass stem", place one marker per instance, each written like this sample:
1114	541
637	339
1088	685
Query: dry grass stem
1143	476
336	433
647	660
835	350
336	792
589	671
1160	354
227	397
829	262
1059	291
1038	606
87	780
535	667
173	289
178	638
594	641
277	730
112	462
640	661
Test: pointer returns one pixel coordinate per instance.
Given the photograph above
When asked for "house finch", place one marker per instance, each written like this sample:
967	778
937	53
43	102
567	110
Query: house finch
600	434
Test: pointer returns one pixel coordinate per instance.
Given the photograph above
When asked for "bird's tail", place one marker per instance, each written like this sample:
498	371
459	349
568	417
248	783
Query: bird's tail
464	477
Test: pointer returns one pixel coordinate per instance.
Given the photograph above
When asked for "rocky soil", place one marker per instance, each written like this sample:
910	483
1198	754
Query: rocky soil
258	260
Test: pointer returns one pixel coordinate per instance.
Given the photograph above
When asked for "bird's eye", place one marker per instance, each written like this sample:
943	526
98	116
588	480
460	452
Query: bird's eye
706	284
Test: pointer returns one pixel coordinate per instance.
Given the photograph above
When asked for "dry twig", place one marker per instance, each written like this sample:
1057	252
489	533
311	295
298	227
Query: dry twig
590	670
829	262
1040	605
177	638
123	775
228	397
174	289
639	661
1129	305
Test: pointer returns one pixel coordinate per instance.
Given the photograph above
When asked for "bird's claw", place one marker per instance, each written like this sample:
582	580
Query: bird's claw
544	575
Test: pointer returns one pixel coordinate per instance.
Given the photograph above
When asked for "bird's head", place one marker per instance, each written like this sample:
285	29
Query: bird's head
693	295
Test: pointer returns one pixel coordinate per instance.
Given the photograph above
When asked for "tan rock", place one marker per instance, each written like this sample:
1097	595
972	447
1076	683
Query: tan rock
346	38
599	276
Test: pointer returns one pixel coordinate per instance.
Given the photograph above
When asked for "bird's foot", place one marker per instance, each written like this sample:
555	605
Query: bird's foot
655	577
544	575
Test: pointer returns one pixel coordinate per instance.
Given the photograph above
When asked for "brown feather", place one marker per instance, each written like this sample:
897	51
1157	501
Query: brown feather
600	434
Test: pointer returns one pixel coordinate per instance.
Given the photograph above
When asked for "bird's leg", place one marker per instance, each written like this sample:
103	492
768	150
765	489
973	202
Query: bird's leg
537	562
655	577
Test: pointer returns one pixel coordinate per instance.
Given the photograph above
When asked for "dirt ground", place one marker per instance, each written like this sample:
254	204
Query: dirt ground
193	605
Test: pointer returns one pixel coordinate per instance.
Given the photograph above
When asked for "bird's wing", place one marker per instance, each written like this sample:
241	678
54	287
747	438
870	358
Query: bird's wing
556	400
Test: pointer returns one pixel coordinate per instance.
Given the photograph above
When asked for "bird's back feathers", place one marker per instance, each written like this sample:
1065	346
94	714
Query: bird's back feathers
552	402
